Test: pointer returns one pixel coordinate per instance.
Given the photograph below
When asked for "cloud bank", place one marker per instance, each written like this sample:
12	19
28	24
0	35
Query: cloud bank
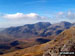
66	15
19	16
17	19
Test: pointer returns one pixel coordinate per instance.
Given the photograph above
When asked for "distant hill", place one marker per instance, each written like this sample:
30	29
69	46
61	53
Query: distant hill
65	41
29	30
1	29
73	24
42	29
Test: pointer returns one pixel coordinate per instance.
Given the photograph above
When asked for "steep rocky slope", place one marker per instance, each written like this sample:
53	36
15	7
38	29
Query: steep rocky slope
63	42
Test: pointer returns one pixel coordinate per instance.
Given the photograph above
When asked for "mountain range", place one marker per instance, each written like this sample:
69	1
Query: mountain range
64	42
42	29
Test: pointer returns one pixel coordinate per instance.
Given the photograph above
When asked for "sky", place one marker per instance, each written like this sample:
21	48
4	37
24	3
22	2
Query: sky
20	12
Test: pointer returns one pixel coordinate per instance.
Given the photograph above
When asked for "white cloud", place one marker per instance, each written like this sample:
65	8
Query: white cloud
34	16
66	15
17	19
13	16
71	15
60	13
22	16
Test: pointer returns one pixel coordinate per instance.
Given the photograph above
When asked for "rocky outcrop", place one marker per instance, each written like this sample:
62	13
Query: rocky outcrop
67	47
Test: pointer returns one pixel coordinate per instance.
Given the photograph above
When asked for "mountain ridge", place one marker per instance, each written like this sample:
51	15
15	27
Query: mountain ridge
42	29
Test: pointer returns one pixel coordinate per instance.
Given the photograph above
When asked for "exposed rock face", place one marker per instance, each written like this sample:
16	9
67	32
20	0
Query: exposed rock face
68	46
